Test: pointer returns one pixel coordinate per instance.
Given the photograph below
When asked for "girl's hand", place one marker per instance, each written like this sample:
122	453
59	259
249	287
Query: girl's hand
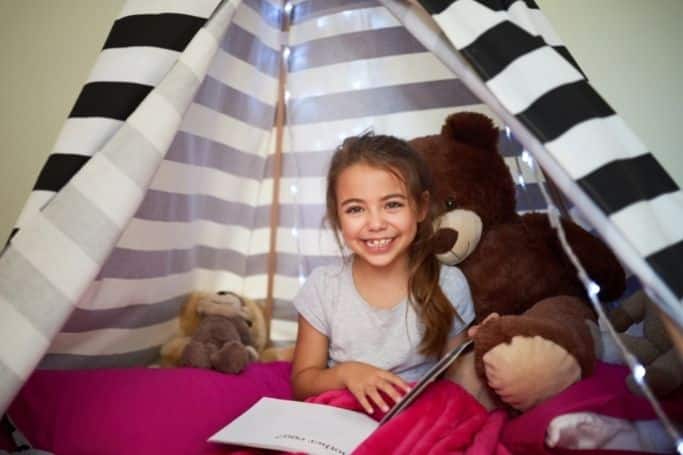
472	331
366	382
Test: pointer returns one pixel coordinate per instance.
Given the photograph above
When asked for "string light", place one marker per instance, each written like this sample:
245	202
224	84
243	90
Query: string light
637	370
593	289
287	96
288	8
285	52
295	232
293	188
302	279
639	373
507	131
526	157
520	179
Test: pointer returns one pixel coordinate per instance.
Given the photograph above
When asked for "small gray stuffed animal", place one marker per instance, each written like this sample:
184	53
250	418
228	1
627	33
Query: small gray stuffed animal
222	340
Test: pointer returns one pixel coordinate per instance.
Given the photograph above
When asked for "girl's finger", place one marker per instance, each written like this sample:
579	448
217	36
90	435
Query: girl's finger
360	396
390	389
377	398
397	381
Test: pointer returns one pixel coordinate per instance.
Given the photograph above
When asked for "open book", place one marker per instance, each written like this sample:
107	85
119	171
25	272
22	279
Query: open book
316	428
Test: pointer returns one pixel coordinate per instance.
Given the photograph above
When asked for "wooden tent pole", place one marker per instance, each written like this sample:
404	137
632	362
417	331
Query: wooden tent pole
280	116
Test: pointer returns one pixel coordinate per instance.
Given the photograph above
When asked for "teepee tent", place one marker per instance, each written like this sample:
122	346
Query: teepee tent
194	159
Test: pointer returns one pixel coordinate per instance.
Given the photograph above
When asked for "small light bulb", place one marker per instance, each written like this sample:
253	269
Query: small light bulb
526	157
507	131
288	7
295	232
302	279
639	373
679	446
293	188
285	53
593	289
521	181
287	96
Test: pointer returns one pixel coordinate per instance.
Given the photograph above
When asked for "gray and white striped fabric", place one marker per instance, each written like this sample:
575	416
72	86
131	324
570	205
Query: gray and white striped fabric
514	50
353	66
203	222
51	262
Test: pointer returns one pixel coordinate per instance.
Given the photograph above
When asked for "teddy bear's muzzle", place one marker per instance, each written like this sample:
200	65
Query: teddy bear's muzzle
444	239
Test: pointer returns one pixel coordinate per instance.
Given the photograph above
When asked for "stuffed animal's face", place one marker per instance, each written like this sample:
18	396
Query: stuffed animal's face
223	303
472	186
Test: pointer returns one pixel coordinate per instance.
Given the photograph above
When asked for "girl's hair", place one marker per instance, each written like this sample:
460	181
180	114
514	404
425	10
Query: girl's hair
396	156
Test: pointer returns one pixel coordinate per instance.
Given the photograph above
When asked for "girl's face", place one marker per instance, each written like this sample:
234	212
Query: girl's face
377	215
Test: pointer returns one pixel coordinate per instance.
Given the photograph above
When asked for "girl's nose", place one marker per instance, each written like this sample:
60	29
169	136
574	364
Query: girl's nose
376	220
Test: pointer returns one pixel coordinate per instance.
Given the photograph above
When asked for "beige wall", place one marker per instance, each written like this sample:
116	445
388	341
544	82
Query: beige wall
628	48
47	48
631	52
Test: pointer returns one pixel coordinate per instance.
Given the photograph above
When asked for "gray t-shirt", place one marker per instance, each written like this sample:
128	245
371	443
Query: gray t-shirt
385	338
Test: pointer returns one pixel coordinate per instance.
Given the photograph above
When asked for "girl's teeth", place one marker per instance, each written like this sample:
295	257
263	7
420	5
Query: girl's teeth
378	243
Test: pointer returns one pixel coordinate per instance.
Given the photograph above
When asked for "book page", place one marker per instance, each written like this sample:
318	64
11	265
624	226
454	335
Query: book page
296	426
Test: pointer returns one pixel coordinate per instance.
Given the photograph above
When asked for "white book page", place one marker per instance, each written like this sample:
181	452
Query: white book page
295	426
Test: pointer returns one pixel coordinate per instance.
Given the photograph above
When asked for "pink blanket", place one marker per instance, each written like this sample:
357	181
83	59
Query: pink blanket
443	420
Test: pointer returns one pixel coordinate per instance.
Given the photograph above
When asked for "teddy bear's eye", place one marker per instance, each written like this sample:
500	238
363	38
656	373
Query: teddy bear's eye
450	203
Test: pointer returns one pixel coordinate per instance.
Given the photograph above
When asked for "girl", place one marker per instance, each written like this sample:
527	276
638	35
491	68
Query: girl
383	317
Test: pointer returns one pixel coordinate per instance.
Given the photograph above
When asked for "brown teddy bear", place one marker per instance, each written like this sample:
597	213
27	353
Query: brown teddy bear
222	331
534	342
654	349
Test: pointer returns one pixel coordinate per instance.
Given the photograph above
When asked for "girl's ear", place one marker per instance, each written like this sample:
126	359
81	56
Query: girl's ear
423	206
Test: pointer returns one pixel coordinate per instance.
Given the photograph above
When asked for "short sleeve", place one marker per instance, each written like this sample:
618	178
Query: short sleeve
454	285
309	301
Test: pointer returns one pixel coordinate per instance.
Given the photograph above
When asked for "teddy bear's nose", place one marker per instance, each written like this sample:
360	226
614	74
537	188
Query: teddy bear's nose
444	239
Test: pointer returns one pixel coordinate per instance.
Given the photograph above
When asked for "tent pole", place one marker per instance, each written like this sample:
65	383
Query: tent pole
280	114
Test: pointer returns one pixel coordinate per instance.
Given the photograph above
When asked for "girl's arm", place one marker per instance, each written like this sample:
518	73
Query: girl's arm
311	376
463	372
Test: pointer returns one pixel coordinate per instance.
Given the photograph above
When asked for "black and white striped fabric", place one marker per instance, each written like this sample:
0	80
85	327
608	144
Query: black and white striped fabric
513	48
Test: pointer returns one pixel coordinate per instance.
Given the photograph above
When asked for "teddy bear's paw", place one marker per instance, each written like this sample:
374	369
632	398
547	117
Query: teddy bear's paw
528	370
232	358
661	380
253	355
197	355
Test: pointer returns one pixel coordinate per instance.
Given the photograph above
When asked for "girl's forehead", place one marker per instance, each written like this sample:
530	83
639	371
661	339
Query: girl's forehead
365	179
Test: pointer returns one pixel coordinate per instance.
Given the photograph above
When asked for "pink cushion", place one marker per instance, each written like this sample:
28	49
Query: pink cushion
139	410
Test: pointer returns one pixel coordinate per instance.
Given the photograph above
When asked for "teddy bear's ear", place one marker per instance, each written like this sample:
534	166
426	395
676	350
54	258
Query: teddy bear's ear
189	319
471	128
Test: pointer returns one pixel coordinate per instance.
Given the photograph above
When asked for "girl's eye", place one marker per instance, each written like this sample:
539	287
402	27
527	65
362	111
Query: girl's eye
353	210
394	205
450	204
